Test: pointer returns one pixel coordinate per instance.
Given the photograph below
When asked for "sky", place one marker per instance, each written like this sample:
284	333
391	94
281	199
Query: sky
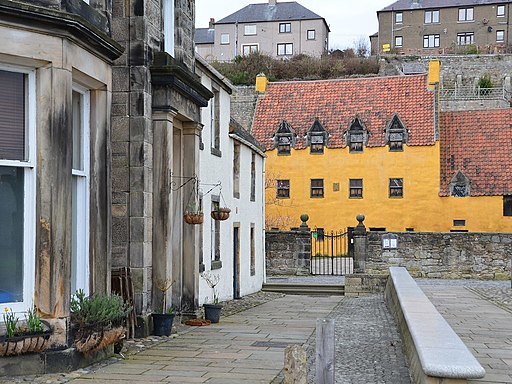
348	21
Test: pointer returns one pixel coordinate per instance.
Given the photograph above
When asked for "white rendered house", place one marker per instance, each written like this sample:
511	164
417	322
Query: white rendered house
231	174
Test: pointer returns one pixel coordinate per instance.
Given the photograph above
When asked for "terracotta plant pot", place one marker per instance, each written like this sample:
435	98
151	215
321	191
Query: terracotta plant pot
221	214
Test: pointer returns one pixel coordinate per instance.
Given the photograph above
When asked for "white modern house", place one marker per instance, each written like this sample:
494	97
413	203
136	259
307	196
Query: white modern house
231	174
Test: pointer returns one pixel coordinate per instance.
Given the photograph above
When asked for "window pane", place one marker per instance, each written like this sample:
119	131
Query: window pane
12	115
250	29
77	131
469	14
398	17
11	234
501	10
311	34
428	17
435	16
224	38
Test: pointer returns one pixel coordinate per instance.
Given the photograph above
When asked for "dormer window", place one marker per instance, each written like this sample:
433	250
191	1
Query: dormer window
460	185
357	136
284	138
316	137
284	145
396	135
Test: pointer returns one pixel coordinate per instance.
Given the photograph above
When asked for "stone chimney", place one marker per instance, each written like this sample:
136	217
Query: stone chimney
272	2
210	24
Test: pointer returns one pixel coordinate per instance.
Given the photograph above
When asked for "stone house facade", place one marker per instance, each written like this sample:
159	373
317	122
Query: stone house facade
278	29
438	27
55	106
156	131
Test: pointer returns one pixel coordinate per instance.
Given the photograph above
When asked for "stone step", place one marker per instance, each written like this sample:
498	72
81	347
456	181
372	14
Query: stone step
305	289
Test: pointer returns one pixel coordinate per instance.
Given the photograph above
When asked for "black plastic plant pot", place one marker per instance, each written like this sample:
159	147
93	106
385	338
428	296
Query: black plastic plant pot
212	312
162	324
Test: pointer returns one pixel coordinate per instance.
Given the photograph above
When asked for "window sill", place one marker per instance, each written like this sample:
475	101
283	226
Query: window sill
216	152
216	264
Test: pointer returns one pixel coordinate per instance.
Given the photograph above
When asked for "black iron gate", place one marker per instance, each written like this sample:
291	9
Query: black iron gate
332	252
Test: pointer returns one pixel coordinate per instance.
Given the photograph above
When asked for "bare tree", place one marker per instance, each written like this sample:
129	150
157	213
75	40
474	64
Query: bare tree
281	219
362	47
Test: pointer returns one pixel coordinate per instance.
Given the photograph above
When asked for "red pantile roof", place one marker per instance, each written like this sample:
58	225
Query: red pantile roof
479	144
337	102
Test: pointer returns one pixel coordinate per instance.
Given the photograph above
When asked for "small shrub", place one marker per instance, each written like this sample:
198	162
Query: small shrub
485	81
98	309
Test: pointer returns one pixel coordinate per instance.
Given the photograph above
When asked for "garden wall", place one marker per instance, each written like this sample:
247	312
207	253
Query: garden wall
442	255
288	252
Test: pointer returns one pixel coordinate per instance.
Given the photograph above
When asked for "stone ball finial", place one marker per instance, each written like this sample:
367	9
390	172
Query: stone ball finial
304	217
360	218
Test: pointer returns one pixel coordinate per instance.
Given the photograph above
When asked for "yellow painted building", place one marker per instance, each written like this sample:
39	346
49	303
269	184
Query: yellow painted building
378	146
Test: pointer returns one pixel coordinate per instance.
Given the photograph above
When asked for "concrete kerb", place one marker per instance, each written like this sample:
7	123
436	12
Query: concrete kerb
435	352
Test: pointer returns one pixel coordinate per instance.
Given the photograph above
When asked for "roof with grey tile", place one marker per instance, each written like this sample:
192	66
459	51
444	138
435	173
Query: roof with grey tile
204	36
478	144
403	5
236	129
286	11
336	103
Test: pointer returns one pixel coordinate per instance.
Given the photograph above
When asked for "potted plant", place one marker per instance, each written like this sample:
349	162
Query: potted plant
212	311
162	322
193	214
33	336
97	321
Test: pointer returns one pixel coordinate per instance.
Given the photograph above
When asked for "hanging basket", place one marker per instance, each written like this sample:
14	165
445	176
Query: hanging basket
193	218
221	214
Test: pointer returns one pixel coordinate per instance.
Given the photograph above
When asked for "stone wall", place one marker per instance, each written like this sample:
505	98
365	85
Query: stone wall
443	255
460	69
288	252
243	105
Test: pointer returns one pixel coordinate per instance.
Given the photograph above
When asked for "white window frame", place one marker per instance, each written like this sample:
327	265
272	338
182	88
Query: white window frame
463	14
224	38
500	11
82	176
499	33
168	21
250	30
29	203
399	18
433	16
399	41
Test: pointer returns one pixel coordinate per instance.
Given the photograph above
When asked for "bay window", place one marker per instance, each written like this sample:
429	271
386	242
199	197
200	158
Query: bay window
17	187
